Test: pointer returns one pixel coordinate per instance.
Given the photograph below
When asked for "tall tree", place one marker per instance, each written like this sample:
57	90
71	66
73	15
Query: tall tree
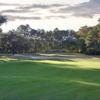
3	19
92	44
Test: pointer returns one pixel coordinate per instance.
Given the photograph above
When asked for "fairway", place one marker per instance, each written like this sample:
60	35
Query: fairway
70	79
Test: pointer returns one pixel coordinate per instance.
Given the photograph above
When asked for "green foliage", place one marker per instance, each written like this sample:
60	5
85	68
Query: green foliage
91	40
28	40
12	43
25	39
3	19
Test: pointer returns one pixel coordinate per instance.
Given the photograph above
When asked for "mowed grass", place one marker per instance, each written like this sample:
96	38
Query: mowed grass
77	79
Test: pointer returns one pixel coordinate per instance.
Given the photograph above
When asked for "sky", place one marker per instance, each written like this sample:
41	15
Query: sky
49	14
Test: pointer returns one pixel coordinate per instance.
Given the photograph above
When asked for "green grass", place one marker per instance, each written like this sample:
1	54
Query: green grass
77	79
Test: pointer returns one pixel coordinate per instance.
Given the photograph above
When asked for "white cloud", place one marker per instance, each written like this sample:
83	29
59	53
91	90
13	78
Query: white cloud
43	1
37	13
86	9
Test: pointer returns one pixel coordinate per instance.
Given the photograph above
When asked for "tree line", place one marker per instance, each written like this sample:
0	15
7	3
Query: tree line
28	40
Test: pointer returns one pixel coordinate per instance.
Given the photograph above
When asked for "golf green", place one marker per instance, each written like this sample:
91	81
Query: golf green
72	79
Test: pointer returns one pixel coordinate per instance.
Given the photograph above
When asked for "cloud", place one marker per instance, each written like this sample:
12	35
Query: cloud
41	6
16	11
56	17
27	8
30	6
86	9
9	4
12	18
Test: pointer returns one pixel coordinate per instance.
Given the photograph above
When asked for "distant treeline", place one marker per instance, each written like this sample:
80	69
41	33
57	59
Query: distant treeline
28	40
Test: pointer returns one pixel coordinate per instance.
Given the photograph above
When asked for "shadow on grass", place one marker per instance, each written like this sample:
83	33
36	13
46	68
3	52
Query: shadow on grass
45	81
59	72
